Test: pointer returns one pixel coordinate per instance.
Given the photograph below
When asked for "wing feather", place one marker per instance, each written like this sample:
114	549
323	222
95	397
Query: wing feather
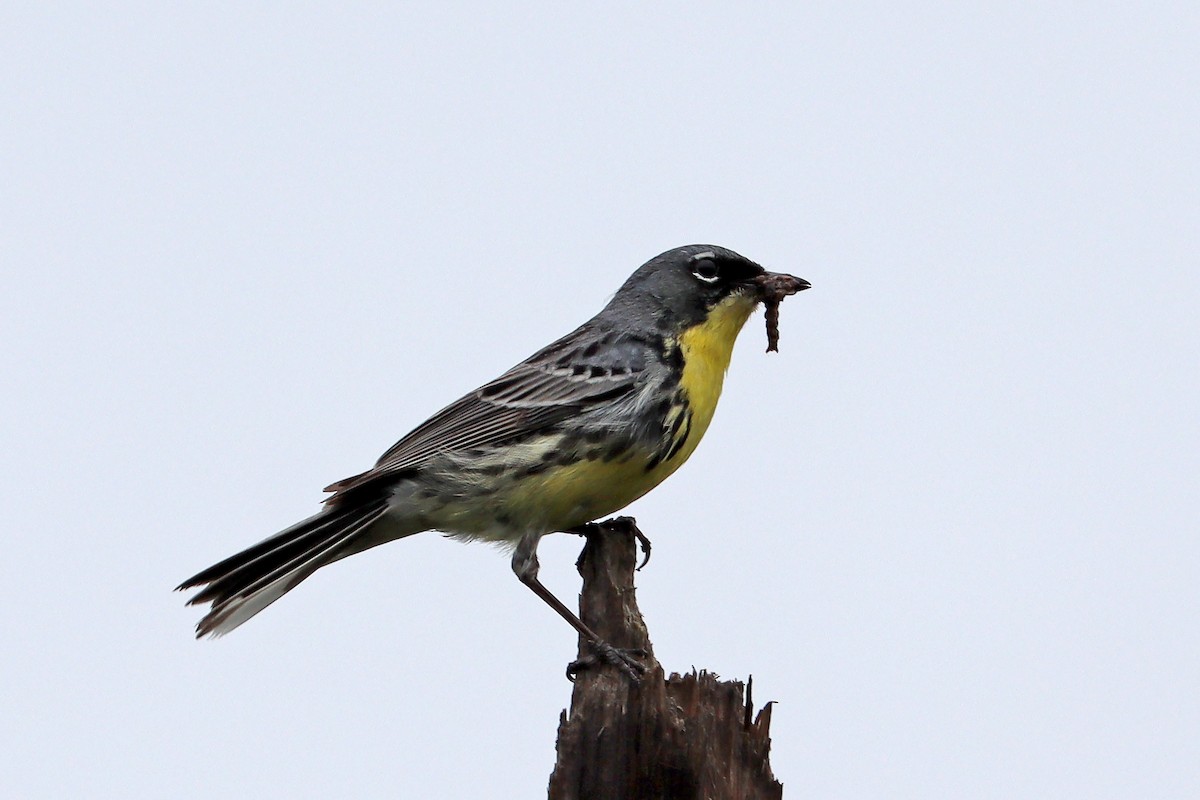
578	372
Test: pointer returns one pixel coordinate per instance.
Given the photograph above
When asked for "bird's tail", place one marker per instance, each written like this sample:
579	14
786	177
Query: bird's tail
244	584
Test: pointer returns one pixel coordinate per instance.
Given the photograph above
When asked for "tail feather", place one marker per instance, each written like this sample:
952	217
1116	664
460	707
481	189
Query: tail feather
235	573
294	569
244	584
264	547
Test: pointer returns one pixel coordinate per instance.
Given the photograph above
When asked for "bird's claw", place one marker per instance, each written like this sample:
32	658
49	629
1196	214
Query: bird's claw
643	540
626	660
629	523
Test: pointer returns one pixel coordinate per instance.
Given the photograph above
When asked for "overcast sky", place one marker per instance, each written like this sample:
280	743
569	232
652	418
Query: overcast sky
951	527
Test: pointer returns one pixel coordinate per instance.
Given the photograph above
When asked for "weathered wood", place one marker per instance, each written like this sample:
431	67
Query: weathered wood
690	737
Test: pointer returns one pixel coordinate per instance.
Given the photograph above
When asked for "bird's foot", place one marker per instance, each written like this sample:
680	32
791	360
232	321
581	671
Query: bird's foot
625	660
589	529
643	540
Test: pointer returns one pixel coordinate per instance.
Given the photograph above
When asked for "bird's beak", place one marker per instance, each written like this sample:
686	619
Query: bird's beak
774	286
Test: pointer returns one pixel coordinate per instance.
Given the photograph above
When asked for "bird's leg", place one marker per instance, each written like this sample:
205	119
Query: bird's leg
525	565
589	529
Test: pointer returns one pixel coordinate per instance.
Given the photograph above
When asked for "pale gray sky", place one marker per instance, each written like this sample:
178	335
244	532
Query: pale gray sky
951	527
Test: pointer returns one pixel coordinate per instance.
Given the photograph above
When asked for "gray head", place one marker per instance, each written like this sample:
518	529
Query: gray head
681	286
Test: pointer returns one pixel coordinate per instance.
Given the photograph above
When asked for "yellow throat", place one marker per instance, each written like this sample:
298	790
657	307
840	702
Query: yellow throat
707	349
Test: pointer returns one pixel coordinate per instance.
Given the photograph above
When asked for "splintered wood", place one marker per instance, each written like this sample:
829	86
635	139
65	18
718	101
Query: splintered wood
686	736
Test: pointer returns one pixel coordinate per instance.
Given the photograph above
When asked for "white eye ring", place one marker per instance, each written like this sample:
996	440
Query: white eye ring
701	267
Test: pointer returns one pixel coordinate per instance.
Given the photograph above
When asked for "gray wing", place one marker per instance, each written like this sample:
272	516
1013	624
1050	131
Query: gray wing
580	371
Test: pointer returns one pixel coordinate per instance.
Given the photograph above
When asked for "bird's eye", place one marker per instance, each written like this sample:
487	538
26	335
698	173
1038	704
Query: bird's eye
706	270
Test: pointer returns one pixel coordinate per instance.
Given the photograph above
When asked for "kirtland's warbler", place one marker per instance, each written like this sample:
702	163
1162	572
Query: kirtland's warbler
577	431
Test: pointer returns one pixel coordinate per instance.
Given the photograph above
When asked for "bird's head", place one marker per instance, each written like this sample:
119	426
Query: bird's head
699	284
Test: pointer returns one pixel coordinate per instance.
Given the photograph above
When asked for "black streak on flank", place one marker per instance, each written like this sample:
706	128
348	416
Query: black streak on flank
683	436
684	414
681	424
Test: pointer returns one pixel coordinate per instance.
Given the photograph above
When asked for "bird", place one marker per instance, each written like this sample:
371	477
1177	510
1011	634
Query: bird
576	432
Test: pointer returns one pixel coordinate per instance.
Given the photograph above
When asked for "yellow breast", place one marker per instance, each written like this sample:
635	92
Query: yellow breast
707	349
586	490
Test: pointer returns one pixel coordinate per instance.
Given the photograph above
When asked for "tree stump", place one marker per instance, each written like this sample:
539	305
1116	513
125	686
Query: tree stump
690	737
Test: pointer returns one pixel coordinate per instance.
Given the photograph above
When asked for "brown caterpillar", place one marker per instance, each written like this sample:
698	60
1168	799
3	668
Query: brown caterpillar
772	288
